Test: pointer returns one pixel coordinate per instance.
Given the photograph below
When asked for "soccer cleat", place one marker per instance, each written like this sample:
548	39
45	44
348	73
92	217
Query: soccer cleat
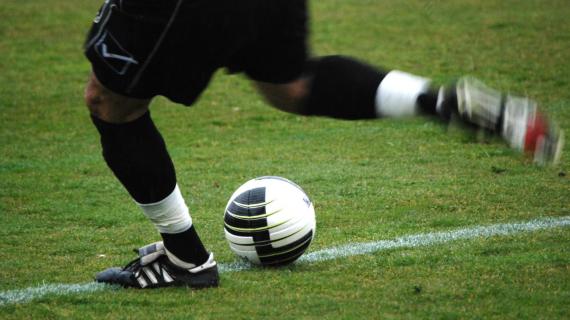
516	119
529	131
153	269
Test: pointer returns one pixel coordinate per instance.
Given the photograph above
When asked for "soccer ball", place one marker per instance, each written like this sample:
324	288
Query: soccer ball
269	221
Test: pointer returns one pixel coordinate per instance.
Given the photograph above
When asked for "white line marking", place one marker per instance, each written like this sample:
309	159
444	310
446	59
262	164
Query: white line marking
419	240
436	238
29	294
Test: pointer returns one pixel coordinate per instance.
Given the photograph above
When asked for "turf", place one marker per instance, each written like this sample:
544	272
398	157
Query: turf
64	217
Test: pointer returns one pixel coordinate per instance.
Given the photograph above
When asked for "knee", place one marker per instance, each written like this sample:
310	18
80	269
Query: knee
287	97
93	100
296	91
97	99
111	107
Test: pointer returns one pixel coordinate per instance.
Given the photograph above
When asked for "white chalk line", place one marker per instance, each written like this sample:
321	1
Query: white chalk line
353	249
29	294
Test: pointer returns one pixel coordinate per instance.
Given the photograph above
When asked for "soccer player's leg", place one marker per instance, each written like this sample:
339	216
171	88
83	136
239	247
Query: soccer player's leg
345	88
136	153
128	70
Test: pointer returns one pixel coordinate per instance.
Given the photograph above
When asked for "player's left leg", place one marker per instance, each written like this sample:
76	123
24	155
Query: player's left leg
138	50
135	151
344	88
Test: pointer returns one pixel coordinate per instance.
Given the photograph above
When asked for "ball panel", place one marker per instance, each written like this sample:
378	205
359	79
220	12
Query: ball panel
245	225
250	228
255	215
294	236
243	249
290	217
268	250
238	210
252	197
287	253
240	240
278	239
251	256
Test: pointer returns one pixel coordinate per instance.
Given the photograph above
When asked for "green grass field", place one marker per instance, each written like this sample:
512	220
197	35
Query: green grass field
64	217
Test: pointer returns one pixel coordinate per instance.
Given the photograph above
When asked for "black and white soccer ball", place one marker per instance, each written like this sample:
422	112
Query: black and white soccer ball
269	221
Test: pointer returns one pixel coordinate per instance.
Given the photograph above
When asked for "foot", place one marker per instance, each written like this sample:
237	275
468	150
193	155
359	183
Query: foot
516	119
528	130
153	269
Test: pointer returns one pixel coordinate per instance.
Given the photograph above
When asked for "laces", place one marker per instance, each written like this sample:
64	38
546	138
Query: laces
133	265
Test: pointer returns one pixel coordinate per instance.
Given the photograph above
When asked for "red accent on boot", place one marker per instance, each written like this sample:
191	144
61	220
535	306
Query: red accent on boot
536	128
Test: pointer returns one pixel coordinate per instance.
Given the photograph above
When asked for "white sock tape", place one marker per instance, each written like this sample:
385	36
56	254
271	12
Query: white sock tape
397	94
170	215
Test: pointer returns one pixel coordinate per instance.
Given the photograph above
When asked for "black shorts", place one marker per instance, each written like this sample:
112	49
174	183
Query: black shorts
144	48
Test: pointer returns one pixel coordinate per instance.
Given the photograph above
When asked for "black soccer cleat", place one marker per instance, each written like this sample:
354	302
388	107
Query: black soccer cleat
153	269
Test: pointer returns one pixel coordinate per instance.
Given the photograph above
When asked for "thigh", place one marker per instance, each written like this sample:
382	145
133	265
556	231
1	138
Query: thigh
280	50
144	48
117	46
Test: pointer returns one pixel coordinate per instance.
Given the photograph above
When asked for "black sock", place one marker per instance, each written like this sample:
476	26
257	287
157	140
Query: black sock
343	88
427	102
186	246
448	104
137	155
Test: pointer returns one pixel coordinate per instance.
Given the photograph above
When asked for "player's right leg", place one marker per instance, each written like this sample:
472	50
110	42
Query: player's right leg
344	88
